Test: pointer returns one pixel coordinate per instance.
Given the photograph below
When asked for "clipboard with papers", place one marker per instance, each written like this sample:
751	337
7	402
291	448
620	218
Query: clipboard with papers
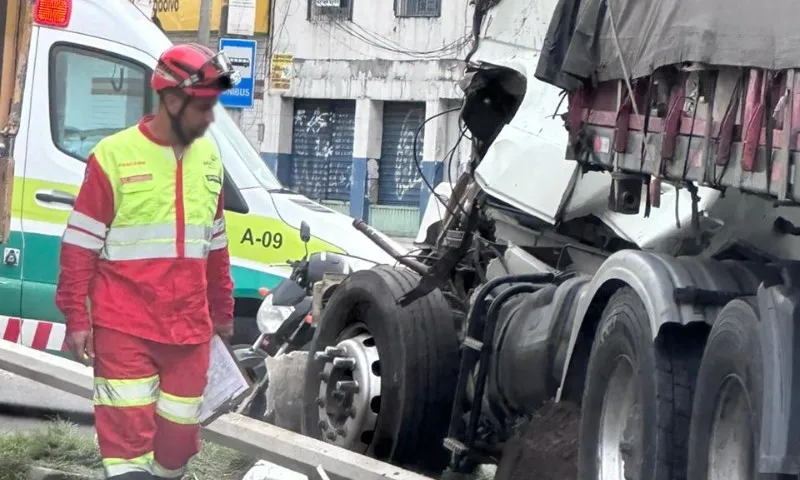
228	384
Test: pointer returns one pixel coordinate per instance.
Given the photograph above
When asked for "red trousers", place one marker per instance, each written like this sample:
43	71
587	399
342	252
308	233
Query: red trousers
146	399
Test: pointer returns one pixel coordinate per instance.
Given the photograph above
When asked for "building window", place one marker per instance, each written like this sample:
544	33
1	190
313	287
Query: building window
418	8
94	95
329	10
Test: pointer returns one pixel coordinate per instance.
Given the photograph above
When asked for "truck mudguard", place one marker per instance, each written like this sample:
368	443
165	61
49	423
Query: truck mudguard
779	312
657	279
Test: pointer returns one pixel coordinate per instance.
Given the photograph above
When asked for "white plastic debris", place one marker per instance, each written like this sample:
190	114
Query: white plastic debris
264	470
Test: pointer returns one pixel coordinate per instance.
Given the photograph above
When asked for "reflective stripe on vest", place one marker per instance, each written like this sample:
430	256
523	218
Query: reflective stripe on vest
145	180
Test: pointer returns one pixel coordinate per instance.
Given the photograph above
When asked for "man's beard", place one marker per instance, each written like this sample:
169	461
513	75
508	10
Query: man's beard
196	133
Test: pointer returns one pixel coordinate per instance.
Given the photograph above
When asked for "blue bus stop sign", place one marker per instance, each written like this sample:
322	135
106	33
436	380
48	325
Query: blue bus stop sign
242	54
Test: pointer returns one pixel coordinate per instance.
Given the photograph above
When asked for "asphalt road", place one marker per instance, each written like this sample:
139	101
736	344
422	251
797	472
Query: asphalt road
25	404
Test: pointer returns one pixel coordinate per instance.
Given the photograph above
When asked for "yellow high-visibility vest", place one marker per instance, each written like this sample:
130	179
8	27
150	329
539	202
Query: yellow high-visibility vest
164	207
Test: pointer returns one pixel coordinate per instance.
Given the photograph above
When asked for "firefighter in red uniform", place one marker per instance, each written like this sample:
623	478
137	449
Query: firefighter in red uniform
146	246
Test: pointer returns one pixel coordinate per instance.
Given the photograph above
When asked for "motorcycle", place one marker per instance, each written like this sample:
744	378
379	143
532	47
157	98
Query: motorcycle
284	320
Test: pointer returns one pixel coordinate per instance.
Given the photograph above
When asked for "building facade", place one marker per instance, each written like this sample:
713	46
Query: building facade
350	86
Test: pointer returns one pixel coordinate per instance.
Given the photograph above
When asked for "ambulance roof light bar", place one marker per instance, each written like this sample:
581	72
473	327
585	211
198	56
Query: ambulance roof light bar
52	13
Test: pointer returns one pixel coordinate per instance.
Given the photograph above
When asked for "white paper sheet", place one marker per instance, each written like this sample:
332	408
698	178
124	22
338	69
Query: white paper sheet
225	381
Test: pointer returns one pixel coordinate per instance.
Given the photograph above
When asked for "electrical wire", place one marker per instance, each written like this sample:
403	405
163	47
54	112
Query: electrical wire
335	37
419	167
376	40
451	153
380	42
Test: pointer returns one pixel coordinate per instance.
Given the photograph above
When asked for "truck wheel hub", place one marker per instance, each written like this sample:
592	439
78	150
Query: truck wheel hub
349	391
731	447
621	425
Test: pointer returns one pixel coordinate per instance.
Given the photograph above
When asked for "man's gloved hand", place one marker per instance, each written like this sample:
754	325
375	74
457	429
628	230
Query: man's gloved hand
224	331
81	346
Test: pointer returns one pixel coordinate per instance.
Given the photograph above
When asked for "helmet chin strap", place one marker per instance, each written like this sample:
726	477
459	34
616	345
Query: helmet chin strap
175	122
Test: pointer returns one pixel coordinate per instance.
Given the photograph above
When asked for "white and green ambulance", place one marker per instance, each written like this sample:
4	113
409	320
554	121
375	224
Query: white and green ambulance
87	76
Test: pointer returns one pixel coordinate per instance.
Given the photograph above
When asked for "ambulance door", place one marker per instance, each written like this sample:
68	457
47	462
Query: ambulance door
88	89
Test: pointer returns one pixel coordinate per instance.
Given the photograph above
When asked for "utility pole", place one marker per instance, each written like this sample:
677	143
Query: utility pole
204	28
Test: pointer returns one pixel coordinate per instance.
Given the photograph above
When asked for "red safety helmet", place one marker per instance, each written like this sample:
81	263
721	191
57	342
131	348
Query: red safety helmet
194	69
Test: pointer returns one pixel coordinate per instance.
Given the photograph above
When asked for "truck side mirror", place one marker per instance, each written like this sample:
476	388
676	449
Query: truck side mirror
305	232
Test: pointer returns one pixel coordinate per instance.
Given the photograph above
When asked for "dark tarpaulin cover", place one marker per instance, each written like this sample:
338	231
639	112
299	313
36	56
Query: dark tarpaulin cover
652	33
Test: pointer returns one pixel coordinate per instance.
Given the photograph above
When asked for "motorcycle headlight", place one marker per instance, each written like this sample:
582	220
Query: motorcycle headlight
270	317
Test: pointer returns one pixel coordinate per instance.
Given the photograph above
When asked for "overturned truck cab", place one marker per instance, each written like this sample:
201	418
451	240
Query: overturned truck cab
611	288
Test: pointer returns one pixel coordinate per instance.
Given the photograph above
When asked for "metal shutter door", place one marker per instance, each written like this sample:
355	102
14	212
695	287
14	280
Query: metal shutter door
399	180
322	148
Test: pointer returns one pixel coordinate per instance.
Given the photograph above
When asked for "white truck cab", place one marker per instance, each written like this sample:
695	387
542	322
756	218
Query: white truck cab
87	76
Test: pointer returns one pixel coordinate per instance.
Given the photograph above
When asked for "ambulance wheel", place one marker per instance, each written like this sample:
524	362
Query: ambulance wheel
637	395
383	378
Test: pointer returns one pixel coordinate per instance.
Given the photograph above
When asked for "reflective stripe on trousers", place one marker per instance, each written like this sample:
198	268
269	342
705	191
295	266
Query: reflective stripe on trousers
125	393
144	464
140	392
120	466
162	472
180	410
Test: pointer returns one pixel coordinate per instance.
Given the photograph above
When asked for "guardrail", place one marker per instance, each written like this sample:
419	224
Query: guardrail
257	439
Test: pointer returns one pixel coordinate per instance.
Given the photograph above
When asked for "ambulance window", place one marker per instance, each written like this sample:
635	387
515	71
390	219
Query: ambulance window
94	94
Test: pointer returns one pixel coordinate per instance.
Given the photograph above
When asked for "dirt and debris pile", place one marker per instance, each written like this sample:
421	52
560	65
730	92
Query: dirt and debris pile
544	447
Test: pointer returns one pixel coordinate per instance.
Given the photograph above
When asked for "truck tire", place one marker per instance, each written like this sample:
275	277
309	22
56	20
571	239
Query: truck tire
726	417
405	361
637	394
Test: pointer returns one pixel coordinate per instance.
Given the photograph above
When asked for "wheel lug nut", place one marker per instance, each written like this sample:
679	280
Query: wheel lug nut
322	356
321	401
341	431
350	412
335	351
331	435
323	425
347	386
344	362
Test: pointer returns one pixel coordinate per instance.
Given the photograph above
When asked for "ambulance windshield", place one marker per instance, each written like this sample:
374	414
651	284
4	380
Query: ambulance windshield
230	137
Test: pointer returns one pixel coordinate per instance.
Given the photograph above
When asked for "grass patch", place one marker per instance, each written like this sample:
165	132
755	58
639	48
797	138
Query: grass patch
63	446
